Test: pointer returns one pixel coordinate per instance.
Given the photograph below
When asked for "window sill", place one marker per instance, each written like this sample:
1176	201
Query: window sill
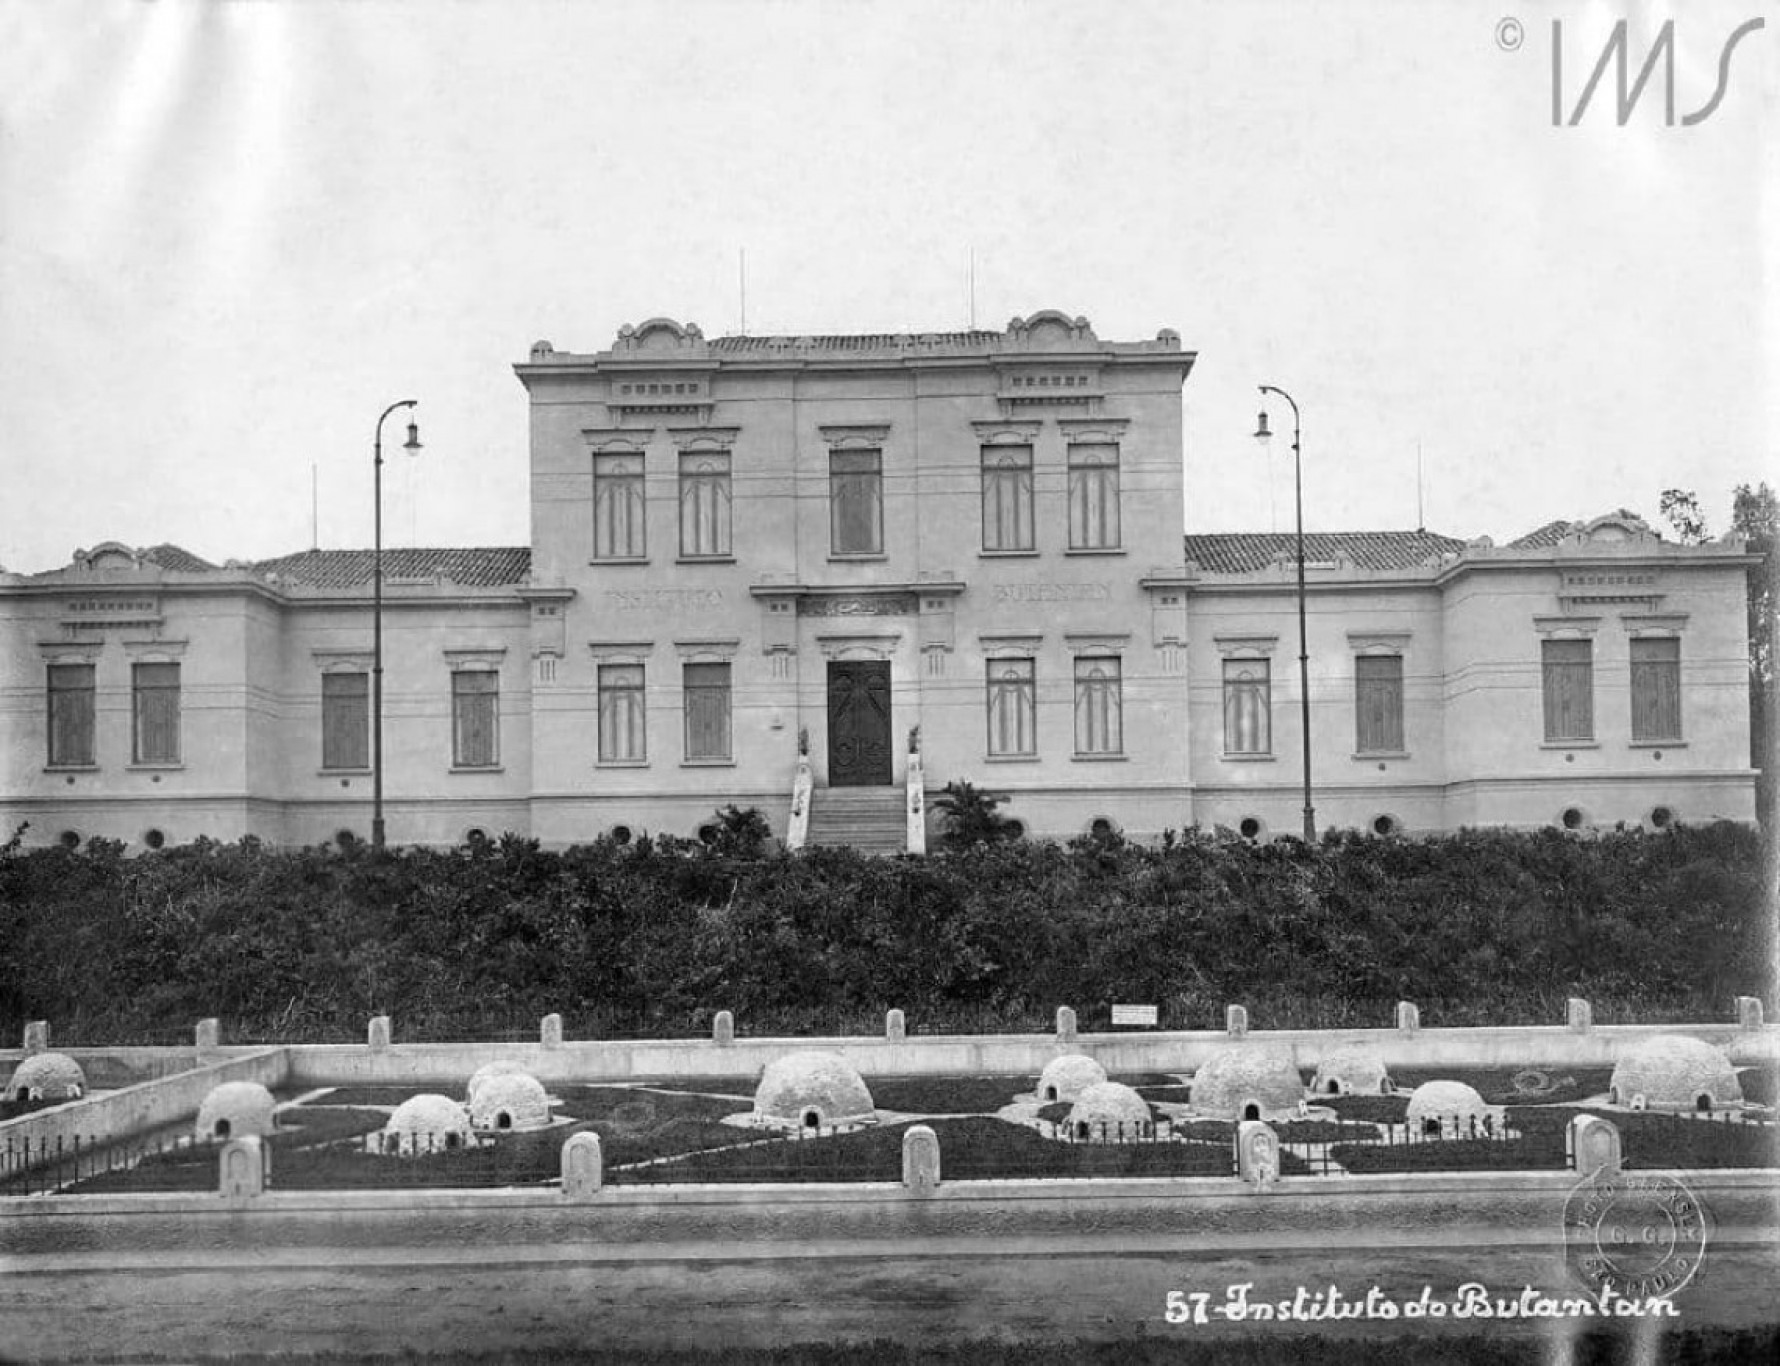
476	768
71	768
704	559
1100	758
707	763
1571	744
1010	554
343	773
1366	755
870	557
1656	744
1010	759
1096	550
614	560
169	767
621	763
1249	758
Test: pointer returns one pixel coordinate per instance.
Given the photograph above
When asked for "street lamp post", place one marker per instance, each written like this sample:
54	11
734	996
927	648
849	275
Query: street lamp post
1263	435
412	446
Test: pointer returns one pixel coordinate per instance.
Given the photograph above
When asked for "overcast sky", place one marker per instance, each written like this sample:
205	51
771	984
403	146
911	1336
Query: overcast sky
230	234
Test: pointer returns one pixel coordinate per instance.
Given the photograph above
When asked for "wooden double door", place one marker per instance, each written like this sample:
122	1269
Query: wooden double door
859	732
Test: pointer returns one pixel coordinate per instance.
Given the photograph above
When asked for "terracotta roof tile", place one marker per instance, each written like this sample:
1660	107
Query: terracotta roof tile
1543	537
873	341
496	567
1245	552
177	558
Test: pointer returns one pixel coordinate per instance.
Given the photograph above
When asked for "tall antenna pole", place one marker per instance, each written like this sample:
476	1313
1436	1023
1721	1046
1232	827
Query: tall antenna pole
971	277
742	274
314	508
1421	523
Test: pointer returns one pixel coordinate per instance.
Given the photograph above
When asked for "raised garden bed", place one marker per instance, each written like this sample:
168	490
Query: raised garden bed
1515	1085
948	1095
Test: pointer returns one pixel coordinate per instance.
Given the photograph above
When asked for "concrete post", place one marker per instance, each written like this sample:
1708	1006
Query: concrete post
1236	1021
1579	1015
209	1035
1749	1012
583	1167
377	1037
1065	1024
36	1037
1409	1018
1593	1145
920	1160
895	1026
723	1027
1257	1154
242	1168
550	1031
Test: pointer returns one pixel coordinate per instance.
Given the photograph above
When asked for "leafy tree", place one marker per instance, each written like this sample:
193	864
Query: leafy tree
1682	511
1755	516
972	815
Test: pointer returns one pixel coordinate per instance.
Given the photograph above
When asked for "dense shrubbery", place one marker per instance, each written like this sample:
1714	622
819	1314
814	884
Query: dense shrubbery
652	937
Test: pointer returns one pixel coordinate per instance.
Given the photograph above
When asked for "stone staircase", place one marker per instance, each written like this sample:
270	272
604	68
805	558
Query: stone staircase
870	819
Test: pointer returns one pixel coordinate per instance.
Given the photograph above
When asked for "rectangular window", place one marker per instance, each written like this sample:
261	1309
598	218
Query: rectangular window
1248	706
622	739
707	711
1007	498
1378	704
155	713
1099	707
856	502
346	720
475	712
71	714
1013	707
1656	689
618	507
1569	684
704	505
1094	497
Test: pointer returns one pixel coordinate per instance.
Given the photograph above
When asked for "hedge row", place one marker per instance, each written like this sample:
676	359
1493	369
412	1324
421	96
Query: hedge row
652	937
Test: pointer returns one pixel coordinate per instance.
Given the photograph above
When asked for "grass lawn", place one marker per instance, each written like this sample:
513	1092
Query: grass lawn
1515	1085
947	1095
1368	1109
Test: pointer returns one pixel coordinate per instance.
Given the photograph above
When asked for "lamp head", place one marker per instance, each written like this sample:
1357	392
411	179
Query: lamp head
412	444
1262	434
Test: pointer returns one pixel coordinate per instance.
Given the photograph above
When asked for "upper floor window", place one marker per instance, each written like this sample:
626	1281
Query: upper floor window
707	695
1099	707
345	720
618	523
1007	498
154	713
622	737
1248	706
1013	707
1656	689
1569	689
475	718
1378	704
704	504
71	692
856	502
1094	497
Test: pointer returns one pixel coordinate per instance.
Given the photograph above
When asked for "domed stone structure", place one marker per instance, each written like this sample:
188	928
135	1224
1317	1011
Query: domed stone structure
1065	1078
1446	1109
1109	1112
812	1089
1351	1069
1248	1083
510	1100
502	1068
234	1110
47	1076
425	1124
1674	1072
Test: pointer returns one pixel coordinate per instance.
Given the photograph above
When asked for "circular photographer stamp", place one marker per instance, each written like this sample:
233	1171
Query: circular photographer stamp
1638	1235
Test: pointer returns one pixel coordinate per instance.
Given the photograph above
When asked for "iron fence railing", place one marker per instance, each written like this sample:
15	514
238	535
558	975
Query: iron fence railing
157	1162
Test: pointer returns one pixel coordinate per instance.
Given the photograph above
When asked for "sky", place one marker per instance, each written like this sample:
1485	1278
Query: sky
231	234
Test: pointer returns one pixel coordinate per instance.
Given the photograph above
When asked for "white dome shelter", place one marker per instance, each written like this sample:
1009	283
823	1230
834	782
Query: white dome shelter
1248	1083
1674	1072
1110	1112
1351	1069
47	1076
1445	1109
1065	1078
425	1124
812	1089
510	1101
234	1110
502	1068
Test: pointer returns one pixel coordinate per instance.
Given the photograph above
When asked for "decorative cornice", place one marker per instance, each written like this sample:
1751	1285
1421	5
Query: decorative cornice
608	440
855	436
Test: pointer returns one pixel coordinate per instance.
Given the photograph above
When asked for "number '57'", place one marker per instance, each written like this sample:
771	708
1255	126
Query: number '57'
1186	1308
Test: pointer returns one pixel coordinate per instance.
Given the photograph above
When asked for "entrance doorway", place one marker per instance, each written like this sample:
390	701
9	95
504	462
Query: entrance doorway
859	753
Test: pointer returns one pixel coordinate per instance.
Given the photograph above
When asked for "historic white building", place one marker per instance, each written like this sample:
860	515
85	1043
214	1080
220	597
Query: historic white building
861	564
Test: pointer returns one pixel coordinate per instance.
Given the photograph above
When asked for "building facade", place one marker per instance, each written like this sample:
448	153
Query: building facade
755	558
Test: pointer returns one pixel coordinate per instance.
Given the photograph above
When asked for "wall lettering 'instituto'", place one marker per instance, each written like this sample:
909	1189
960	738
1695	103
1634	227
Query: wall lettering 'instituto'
1053	592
